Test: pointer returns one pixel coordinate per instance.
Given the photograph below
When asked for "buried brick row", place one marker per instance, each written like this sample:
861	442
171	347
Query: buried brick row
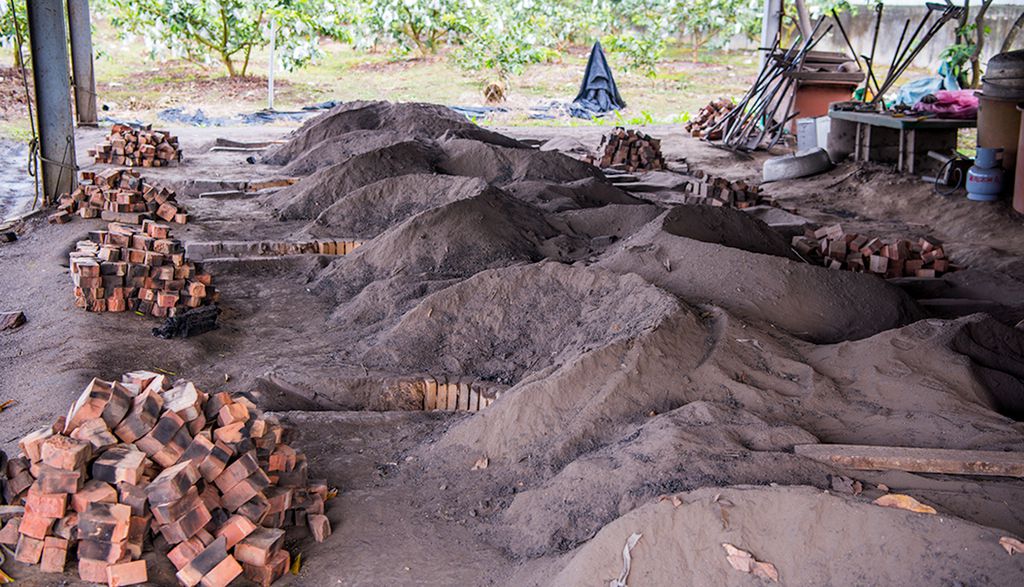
142	270
137	147
462	394
833	247
119	195
209	478
213	249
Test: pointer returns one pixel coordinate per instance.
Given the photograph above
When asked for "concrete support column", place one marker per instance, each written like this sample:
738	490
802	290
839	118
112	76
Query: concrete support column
53	96
80	29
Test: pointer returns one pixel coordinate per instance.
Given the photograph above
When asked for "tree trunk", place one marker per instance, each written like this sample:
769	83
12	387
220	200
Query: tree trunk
979	34
229	64
1011	35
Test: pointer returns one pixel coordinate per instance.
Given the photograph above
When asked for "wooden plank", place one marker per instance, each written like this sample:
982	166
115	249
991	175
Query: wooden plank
916	460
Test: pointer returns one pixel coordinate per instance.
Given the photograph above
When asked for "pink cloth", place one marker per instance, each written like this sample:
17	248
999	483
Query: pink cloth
951	104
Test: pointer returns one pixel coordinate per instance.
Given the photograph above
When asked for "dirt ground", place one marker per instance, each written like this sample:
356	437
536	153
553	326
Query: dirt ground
638	353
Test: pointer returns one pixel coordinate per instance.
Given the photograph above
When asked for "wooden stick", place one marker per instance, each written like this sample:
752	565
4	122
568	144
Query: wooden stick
916	460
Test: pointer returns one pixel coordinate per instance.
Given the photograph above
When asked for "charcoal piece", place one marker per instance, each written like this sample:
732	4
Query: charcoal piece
191	323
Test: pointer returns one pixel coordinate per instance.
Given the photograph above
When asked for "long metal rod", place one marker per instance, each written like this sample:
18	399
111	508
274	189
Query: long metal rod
842	31
50	67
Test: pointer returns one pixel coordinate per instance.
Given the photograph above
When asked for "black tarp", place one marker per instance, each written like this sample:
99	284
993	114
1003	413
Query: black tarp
598	93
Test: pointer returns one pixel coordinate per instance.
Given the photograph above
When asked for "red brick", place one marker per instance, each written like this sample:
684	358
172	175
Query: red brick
53	480
29	550
183	553
95	432
243	466
258	548
9	533
104	521
100	550
188	525
130	573
235	530
203	563
319	526
266	575
90	403
142	417
223	574
172	483
120	463
62	452
92	571
31	444
47	505
55	555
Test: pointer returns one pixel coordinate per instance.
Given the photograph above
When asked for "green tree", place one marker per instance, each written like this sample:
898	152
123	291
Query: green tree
422	26
8	21
228	30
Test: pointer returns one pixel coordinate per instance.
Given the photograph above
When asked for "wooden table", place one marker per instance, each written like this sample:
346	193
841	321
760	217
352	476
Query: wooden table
903	140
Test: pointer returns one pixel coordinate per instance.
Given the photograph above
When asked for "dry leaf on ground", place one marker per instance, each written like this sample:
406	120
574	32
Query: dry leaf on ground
904	502
742	560
1011	544
481	463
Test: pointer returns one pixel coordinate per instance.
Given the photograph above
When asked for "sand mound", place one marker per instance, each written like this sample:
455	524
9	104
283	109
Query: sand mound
454	241
728	227
314	194
693	446
503	324
613	220
410	120
502	165
810	302
584	193
812	538
340	148
372	209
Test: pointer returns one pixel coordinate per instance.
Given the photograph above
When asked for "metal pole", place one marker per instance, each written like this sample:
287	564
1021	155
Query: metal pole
770	25
270	67
49	43
80	30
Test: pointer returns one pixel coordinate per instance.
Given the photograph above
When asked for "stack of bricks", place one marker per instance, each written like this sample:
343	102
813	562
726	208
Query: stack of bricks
140	463
629	150
119	195
833	247
700	126
138	269
137	147
717	191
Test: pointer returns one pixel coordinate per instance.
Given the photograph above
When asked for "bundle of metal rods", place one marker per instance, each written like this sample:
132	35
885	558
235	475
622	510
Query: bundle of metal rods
906	53
760	117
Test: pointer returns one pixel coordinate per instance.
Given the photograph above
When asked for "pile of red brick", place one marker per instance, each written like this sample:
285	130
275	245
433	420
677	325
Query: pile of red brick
142	464
717	191
710	115
119	195
837	249
142	270
137	147
629	150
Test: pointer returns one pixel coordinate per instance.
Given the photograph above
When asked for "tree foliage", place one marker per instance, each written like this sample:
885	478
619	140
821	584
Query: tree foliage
228	30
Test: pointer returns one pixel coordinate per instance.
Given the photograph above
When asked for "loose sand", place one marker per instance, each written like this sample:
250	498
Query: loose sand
643	351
